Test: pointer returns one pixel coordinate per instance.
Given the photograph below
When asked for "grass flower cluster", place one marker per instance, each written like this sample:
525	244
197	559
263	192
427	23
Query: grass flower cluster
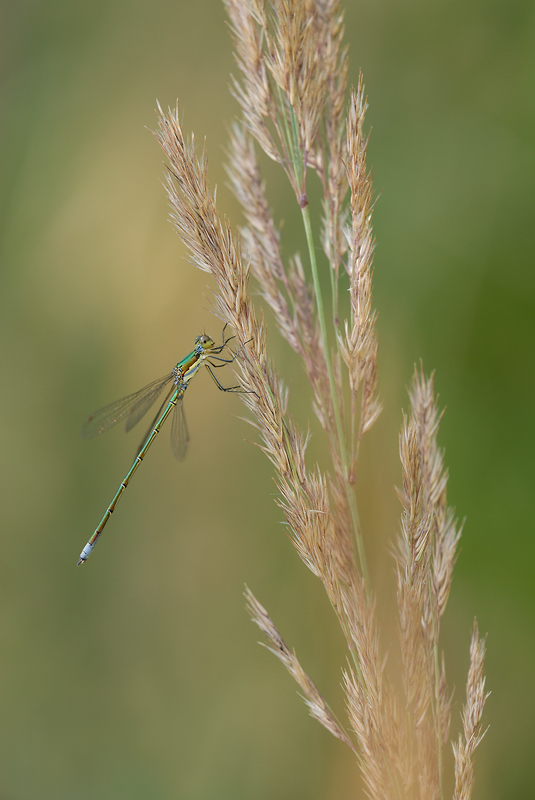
293	93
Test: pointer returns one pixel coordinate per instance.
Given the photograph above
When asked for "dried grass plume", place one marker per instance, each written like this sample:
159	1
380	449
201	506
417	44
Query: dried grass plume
296	106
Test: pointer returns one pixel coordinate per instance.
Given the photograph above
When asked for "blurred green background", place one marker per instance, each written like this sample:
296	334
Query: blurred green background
139	676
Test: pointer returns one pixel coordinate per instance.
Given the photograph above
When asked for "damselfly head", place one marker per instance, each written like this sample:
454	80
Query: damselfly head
205	341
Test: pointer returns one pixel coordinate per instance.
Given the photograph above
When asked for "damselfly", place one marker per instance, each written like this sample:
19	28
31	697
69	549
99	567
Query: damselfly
135	406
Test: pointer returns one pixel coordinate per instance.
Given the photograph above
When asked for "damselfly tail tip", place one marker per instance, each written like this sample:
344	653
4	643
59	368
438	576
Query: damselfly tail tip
86	552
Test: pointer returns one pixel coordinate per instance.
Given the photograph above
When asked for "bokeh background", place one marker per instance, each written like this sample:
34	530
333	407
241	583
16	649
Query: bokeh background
139	676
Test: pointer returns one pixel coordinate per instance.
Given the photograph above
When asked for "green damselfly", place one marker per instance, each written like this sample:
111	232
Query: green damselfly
134	406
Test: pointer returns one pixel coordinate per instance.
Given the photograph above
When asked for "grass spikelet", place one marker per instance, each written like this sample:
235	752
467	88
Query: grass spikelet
472	714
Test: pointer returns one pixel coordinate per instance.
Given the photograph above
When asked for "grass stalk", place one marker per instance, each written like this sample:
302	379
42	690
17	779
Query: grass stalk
350	493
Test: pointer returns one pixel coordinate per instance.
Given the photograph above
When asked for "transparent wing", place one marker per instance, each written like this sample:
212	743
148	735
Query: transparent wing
144	403
179	431
134	405
155	420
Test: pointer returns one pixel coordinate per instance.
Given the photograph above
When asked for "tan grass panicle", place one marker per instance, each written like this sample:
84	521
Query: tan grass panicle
292	90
